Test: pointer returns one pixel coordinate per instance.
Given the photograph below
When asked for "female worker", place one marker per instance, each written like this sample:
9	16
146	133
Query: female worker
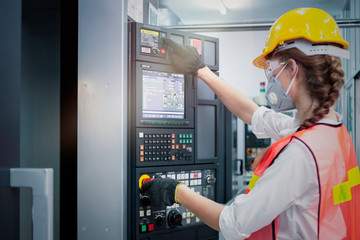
307	185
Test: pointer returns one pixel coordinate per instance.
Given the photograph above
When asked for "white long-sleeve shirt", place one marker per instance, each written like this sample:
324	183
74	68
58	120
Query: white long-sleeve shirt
288	189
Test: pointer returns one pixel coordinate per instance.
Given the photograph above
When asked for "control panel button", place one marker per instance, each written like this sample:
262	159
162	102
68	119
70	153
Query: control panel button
148	212
150	227
142	228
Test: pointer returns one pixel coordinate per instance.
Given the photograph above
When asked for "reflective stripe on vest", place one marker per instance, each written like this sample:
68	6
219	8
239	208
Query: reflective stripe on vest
342	191
338	176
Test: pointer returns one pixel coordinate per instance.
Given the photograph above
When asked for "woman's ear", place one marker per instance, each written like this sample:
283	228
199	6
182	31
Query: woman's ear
293	67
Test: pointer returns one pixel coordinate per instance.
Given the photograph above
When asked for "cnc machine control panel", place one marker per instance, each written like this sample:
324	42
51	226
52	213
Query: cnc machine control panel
164	126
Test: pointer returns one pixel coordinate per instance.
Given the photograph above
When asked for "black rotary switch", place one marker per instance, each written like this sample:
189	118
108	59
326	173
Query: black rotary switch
159	220
145	200
174	218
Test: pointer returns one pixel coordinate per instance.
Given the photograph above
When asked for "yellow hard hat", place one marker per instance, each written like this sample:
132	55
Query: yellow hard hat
312	24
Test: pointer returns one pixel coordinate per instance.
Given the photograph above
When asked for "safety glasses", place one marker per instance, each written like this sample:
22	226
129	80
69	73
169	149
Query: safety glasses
270	66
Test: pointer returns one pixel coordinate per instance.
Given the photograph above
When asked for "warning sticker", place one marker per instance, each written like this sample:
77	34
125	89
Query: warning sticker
149	38
145	31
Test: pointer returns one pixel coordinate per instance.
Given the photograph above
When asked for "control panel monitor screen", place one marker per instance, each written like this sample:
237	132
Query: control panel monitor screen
163	95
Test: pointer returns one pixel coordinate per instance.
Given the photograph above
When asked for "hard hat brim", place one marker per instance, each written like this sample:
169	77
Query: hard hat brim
260	60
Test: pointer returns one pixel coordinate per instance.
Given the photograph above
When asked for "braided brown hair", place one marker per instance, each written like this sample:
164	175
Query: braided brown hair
323	78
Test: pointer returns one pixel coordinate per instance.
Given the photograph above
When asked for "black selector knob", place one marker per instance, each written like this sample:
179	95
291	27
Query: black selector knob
174	218
210	179
155	50
159	220
145	200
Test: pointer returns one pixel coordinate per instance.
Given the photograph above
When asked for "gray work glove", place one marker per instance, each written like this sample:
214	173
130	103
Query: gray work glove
161	192
185	59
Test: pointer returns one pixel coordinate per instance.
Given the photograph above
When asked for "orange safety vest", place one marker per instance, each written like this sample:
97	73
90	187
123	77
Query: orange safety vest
338	180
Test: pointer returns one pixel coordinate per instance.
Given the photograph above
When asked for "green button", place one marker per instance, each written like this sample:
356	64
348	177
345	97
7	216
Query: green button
180	135
180	141
190	140
143	228
190	135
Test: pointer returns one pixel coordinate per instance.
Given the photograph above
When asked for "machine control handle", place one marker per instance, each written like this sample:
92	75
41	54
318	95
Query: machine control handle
174	218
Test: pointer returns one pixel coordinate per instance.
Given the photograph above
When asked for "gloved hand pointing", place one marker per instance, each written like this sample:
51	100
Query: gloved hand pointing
162	192
186	59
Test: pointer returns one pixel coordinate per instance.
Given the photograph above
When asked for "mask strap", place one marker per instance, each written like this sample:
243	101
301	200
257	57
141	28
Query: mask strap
292	81
281	70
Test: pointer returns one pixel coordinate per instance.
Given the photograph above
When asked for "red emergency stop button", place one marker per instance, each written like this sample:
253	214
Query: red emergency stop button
162	51
150	227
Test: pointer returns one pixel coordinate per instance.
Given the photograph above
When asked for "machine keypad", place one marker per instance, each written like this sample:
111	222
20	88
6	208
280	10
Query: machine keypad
165	147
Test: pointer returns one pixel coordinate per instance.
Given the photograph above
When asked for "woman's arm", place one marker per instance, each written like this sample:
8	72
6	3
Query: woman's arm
205	209
239	104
